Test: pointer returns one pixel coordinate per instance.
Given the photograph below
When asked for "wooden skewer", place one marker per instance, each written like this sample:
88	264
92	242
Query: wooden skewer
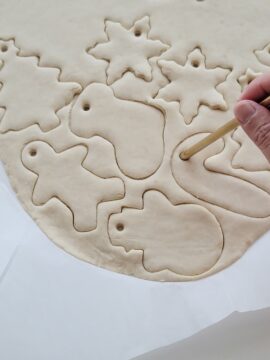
220	132
209	139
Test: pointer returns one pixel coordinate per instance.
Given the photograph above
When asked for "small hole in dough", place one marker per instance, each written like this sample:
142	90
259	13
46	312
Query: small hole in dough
33	152
86	107
120	227
137	33
195	63
4	48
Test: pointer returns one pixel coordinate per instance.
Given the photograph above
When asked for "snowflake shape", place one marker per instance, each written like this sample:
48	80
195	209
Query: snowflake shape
128	50
193	85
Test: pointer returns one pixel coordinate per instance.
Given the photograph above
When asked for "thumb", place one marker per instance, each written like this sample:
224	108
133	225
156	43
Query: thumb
255	120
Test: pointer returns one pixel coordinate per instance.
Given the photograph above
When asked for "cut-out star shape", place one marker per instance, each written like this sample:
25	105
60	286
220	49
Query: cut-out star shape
128	50
193	85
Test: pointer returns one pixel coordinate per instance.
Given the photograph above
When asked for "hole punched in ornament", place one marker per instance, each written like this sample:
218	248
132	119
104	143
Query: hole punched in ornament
137	32
195	63
120	227
4	48
32	152
86	107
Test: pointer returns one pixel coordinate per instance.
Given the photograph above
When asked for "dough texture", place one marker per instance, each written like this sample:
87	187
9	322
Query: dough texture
97	100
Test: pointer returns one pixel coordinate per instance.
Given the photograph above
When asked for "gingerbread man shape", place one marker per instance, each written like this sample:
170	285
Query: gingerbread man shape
62	176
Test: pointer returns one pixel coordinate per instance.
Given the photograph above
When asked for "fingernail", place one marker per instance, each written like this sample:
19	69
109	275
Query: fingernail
244	112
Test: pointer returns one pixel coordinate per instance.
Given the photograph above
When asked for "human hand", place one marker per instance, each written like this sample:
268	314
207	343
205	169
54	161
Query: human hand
255	118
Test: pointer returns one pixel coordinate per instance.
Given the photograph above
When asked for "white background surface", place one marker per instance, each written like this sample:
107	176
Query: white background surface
53	306
241	336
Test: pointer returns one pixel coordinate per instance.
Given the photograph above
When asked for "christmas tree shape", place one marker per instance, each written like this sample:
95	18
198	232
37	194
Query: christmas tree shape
62	176
193	85
128	50
30	94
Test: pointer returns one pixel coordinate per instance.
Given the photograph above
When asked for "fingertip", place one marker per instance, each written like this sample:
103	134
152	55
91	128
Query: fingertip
258	89
244	110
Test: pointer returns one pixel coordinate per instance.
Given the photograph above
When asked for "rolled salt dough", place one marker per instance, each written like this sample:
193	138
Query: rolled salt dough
97	100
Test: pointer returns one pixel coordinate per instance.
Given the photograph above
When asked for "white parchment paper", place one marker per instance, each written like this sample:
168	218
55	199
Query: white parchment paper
53	306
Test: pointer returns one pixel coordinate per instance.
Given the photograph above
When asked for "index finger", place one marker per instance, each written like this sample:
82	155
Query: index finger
258	89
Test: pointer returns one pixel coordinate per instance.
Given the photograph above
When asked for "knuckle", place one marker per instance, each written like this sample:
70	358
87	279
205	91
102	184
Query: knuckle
262	135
